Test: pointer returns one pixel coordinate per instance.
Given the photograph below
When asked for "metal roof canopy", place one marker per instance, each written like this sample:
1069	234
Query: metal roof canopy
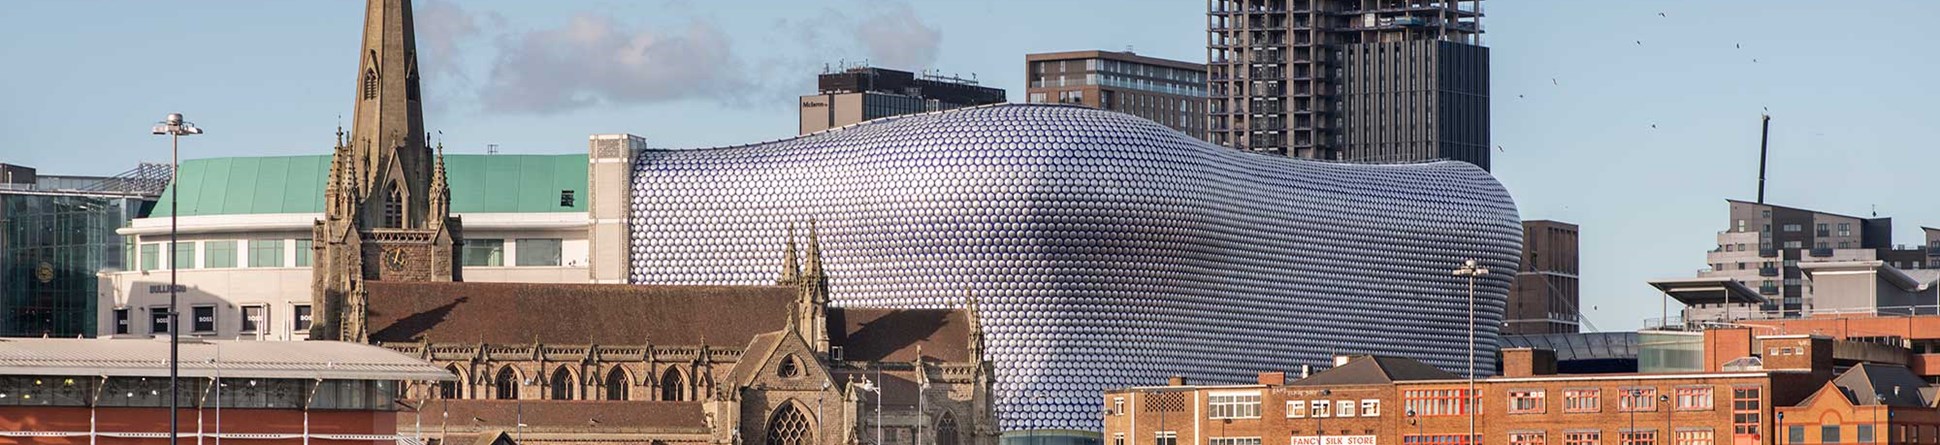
123	357
1708	290
248	185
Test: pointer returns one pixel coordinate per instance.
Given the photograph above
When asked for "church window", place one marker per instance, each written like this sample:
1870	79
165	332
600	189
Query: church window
449	390
394	208
562	384
616	384
370	84
671	384
946	430
789	427
789	368
506	385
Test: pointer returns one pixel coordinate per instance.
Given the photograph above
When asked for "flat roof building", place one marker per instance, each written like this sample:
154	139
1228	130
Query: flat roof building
56	232
1544	299
858	94
115	391
1763	246
1170	92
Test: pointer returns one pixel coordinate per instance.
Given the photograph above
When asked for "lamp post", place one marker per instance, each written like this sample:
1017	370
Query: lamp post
1471	270
874	387
1415	422
1320	437
1669	435
1630	399
175	128
1783	430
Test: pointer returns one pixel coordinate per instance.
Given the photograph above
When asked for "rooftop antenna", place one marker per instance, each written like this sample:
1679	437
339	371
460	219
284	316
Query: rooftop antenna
1764	151
1128	49
491	149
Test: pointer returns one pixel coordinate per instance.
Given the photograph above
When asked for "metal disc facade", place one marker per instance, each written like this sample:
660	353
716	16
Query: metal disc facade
1105	250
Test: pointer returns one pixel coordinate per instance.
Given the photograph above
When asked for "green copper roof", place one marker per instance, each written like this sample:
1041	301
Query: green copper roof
294	184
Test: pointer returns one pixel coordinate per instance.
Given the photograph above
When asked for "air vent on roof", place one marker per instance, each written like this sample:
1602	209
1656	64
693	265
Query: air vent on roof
565	198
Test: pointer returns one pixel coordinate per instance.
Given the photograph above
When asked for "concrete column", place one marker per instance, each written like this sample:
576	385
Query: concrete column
610	183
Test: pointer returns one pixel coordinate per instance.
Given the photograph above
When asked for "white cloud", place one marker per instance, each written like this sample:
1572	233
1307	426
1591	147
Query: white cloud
595	60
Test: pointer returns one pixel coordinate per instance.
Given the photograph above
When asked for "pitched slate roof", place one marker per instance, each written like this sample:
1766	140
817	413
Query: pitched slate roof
294	184
607	314
893	335
1372	369
1894	385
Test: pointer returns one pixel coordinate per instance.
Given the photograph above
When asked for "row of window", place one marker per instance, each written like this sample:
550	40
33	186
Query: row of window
225	254
1641	436
1590	400
1339	408
232	393
203	319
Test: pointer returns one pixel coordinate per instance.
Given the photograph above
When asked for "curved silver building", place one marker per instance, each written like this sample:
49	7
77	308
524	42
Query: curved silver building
1104	249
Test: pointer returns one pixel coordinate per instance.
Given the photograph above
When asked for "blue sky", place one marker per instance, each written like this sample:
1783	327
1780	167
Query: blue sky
1633	124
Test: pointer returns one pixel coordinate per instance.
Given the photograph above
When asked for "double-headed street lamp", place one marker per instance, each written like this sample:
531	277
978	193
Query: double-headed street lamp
1471	270
175	128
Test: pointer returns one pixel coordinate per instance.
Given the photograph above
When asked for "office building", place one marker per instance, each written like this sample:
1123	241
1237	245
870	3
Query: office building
115	392
858	94
1787	389
1763	245
1356	80
1102	249
56	233
1170	92
1544	297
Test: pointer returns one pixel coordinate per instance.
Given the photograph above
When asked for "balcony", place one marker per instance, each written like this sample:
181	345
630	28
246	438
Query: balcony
1821	252
1768	271
1767	252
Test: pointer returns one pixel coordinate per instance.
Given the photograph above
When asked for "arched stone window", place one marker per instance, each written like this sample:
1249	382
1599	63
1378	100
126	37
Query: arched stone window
562	384
946	430
672	385
394	207
787	426
370	84
451	390
616	384
506	385
789	368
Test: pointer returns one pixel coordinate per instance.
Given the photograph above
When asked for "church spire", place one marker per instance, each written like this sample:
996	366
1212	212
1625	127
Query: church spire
791	269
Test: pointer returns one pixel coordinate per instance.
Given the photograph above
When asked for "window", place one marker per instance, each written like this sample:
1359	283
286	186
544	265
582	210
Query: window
1845	229
1526	438
562	384
1233	406
1118	406
254	317
1588	400
1319	408
484	252
1344	408
1823	229
1583	438
266	253
303	253
394	208
1637	437
566	198
158	320
1795	434
1437	402
1118	439
1435	439
219	254
1829	434
1793	227
1794	244
1693	398
616	383
538	252
1637	399
1526	401
151	256
449	390
1165	438
1234	441
302	312
1370	408
121	321
204	319
1296	408
505	386
1864	433
1694	436
1037	98
184	257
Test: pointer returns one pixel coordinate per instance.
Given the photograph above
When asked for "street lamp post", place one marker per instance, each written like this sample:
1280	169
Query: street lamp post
1669	435
1783	430
1416	422
875	387
1630	398
1320	437
1471	270
175	128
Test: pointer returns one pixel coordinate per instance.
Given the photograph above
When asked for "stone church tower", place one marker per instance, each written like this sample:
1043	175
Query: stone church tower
387	211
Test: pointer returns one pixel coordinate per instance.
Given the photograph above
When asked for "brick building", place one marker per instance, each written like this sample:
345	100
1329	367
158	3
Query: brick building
1738	398
1170	92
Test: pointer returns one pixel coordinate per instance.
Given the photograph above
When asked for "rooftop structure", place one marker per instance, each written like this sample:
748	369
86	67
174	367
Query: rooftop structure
56	232
1765	245
862	93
